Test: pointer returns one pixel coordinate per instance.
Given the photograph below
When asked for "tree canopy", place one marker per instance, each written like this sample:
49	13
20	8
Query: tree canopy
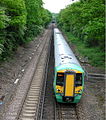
20	22
85	19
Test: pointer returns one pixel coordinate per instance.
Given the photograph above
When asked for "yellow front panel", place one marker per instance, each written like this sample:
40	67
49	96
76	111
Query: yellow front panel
69	87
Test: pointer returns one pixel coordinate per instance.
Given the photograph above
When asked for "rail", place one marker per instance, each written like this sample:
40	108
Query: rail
41	103
66	111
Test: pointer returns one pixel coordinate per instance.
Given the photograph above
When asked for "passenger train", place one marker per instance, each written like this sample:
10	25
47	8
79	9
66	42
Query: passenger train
69	76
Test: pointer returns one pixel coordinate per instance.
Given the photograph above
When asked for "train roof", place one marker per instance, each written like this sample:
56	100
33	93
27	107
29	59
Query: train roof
57	31
63	54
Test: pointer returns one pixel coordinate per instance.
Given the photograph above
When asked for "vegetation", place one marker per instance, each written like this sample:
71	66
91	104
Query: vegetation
84	20
20	22
92	54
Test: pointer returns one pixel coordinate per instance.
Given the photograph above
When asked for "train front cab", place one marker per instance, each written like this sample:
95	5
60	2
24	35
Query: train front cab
68	86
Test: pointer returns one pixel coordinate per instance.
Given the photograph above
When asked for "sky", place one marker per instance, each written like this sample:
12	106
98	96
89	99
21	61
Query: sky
55	6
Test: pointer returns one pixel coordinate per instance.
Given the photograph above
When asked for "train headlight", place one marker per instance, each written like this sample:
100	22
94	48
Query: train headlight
58	90
79	90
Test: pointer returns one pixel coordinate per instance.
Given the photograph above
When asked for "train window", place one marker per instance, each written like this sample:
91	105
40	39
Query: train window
60	79
78	81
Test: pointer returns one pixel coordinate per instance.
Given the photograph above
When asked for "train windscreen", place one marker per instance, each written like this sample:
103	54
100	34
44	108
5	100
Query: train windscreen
78	81
60	79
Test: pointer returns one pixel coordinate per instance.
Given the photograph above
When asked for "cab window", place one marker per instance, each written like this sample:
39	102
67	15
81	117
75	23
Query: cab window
78	81
60	79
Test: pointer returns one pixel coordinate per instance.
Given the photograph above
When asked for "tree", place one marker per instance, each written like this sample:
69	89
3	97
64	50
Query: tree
85	20
20	22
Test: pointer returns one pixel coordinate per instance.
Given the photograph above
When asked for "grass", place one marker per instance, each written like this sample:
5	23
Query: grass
95	56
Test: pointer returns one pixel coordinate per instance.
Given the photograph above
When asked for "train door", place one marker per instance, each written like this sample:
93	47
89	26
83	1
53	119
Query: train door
69	86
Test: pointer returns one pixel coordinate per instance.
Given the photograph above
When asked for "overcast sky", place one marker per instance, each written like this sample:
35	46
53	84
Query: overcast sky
56	5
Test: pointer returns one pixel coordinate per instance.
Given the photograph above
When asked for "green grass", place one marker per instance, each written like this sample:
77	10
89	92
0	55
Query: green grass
95	56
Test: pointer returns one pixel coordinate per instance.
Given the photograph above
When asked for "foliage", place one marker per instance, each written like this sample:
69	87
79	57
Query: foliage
20	22
37	17
46	17
3	18
33	17
85	20
87	52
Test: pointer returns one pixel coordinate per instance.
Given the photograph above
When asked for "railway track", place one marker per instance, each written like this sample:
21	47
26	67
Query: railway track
51	110
65	112
26	103
96	76
32	102
47	108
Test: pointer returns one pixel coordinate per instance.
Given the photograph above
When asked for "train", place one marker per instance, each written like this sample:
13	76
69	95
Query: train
69	76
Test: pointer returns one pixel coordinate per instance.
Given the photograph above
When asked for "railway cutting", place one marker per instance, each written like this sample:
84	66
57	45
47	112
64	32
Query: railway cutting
35	99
